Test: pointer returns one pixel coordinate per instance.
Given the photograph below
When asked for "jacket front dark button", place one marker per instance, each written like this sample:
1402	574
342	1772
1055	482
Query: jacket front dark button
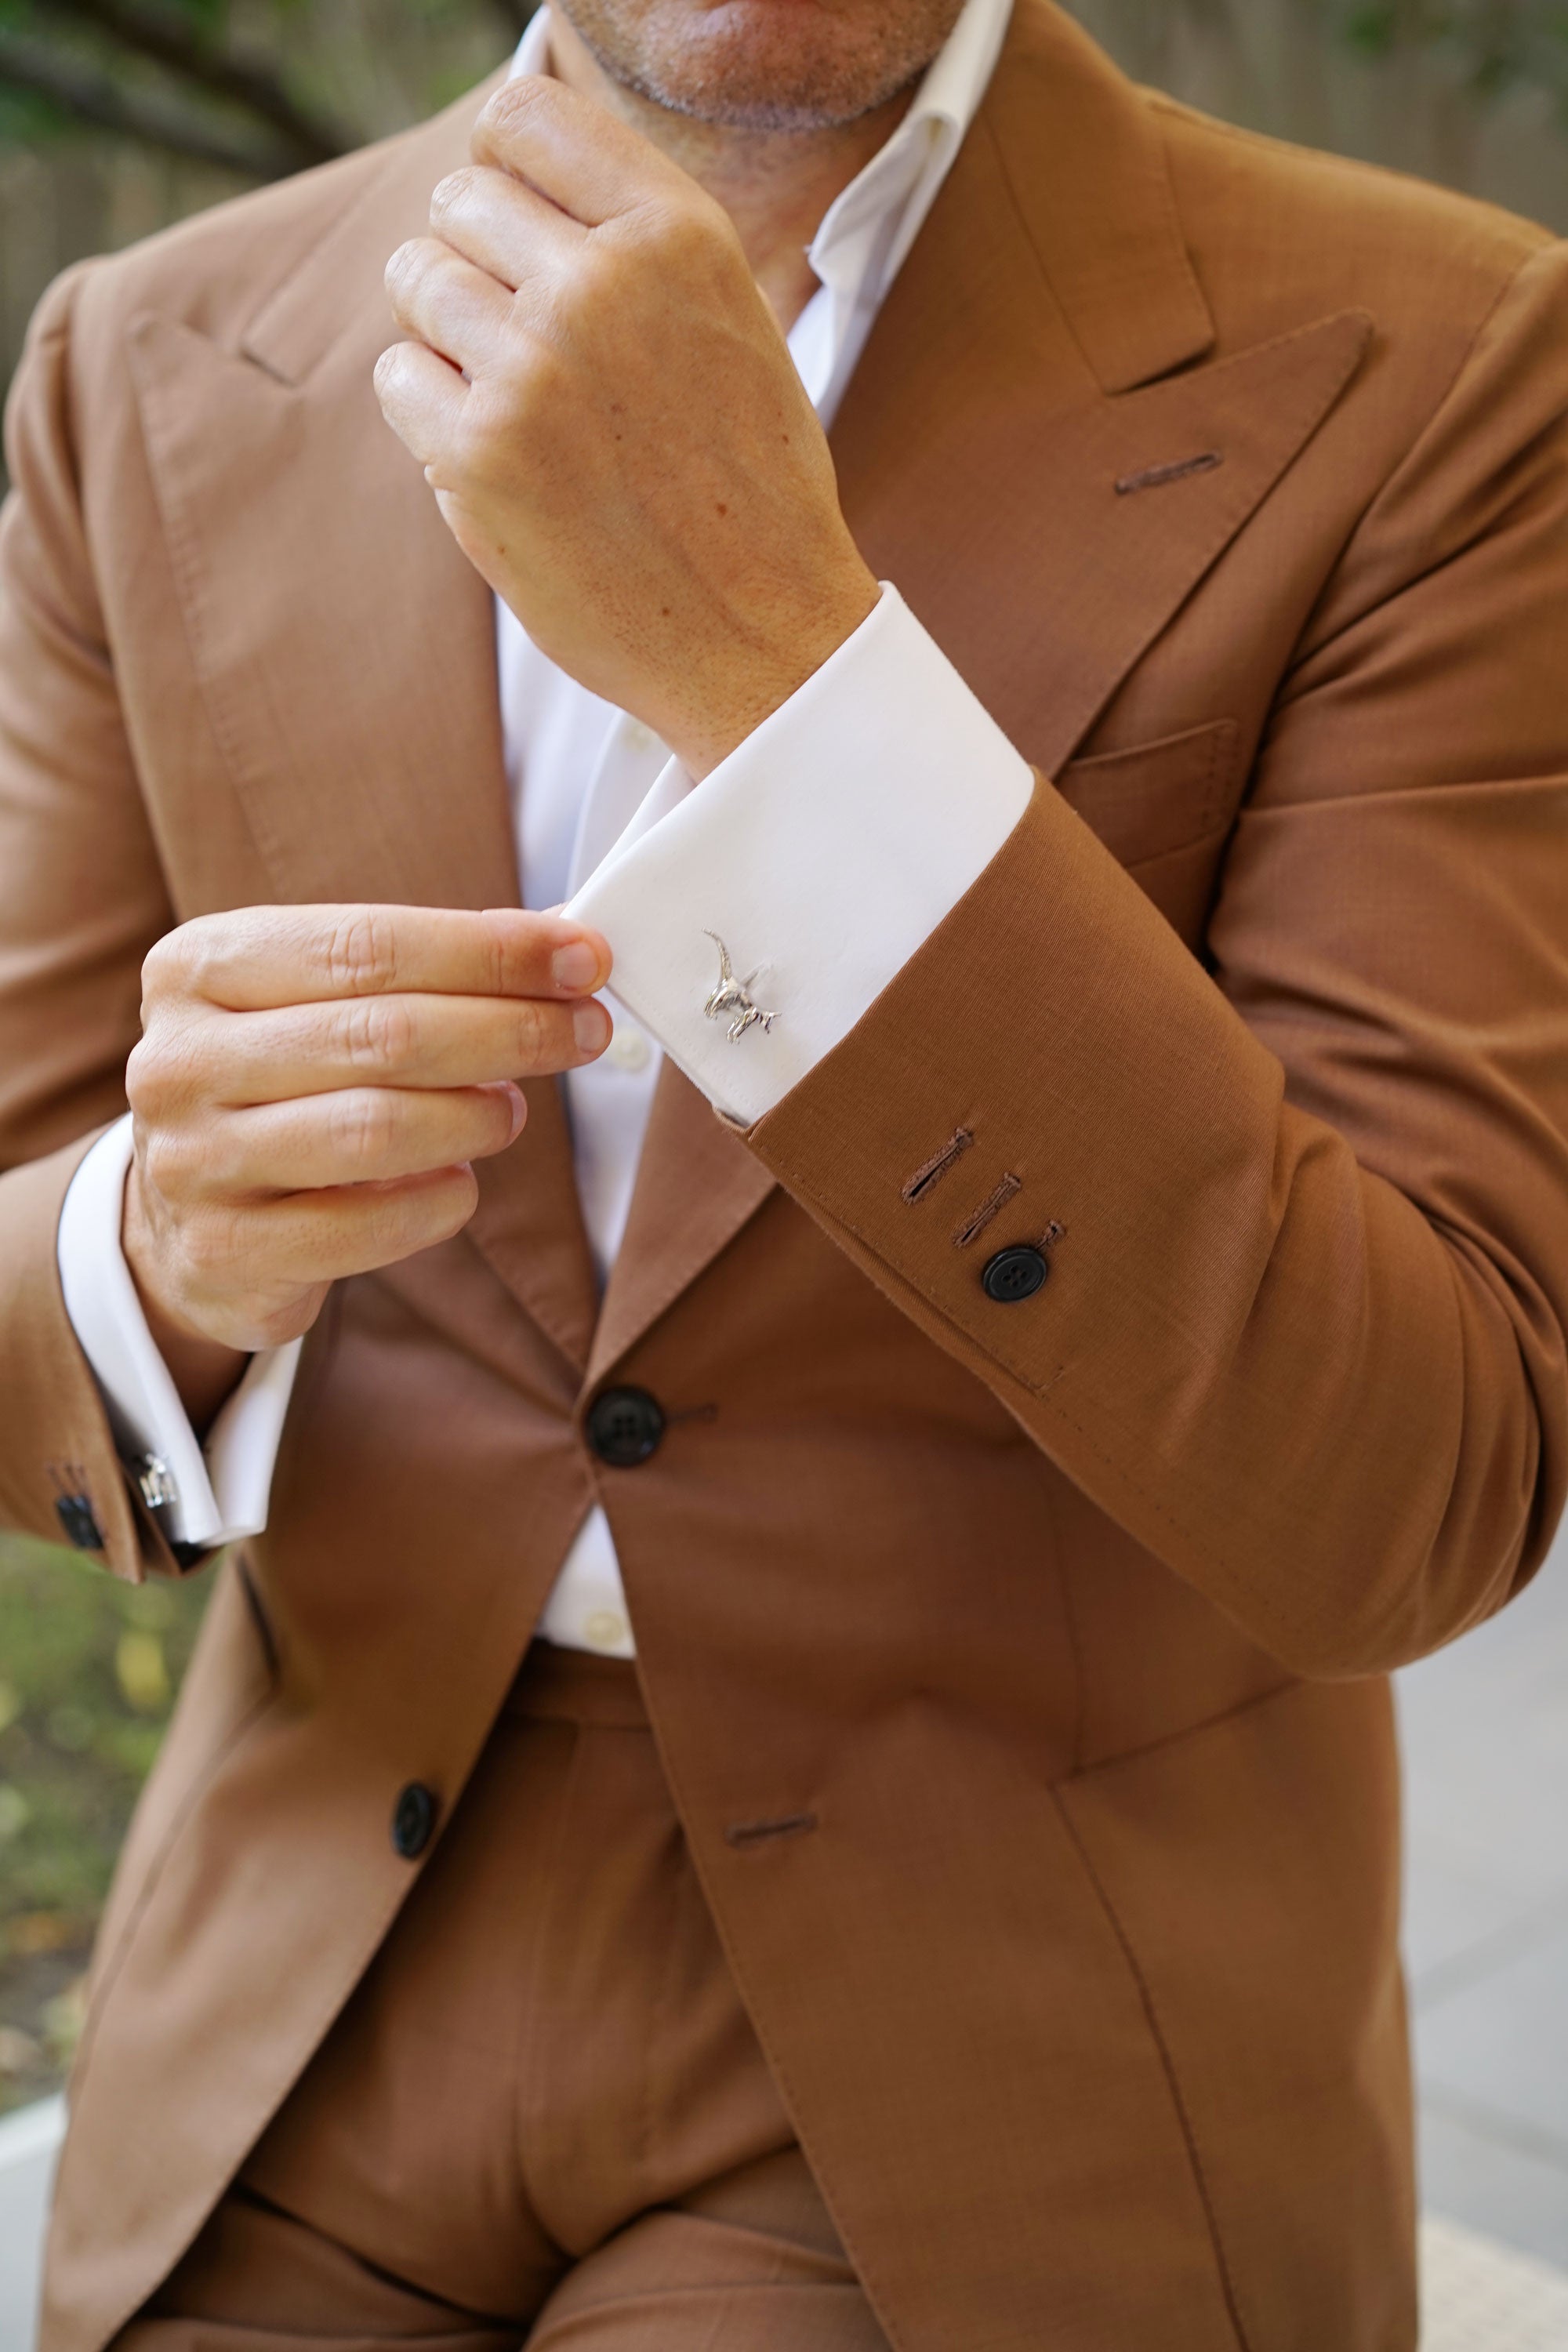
624	1426
414	1820
1013	1274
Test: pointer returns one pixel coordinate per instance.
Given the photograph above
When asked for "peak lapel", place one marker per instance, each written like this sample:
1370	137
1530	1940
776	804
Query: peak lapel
1038	356
697	1185
346	649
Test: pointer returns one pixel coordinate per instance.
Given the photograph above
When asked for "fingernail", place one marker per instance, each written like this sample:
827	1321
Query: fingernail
577	966
518	1109
591	1027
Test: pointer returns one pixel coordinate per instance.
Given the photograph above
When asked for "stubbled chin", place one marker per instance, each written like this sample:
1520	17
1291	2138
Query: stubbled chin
762	64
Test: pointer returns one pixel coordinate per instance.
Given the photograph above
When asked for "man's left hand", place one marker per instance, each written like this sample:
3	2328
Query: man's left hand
609	416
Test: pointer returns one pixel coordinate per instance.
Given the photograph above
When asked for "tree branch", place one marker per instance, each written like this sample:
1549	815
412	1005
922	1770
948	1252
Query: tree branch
92	97
243	84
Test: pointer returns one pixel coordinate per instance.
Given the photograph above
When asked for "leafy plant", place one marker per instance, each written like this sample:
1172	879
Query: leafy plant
89	1669
1495	44
206	80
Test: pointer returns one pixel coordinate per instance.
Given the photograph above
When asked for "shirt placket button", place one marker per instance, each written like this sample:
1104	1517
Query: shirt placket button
628	1049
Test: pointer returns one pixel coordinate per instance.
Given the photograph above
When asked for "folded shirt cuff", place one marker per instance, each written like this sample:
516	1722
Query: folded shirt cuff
755	918
209	1495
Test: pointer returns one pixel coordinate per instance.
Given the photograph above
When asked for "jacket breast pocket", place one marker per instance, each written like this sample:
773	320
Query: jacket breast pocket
1154	798
1163	810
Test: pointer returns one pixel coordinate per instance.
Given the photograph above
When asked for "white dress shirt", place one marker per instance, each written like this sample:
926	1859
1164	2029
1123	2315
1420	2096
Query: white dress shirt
823	852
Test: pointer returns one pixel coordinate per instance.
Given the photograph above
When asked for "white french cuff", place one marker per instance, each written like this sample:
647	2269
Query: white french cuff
207	1495
822	853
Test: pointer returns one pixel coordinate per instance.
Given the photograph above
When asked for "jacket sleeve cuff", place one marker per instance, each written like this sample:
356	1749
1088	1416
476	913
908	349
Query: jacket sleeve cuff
203	1498
822	853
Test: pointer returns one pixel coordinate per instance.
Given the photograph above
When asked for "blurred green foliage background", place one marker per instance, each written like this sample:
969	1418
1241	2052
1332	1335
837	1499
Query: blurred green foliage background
118	116
89	1669
260	87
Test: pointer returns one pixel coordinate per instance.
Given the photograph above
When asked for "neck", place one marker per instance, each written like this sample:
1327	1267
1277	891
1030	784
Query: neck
775	185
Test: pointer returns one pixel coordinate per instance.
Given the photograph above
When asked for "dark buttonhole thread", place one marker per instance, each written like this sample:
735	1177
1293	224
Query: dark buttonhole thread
936	1167
750	1833
1154	478
976	1224
674	1420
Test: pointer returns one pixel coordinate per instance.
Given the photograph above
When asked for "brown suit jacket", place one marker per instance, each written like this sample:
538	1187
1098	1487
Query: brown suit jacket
1235	480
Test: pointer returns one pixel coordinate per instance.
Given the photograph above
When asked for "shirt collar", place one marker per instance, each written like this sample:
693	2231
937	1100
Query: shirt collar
531	54
908	171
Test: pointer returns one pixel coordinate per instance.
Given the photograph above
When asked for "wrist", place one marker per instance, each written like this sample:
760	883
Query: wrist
205	1372
768	669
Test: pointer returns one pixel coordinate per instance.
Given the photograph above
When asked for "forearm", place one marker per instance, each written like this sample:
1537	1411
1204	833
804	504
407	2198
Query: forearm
1258	1356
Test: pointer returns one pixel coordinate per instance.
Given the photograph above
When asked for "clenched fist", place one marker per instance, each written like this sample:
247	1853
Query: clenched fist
312	1089
608	414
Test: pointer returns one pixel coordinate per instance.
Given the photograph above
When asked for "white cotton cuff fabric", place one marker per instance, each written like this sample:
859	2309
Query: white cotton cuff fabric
223	1490
823	852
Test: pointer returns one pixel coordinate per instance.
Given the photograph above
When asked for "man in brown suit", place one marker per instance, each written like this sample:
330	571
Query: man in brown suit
1032	1421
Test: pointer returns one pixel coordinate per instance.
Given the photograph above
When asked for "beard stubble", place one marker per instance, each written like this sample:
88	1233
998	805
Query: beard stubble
764	64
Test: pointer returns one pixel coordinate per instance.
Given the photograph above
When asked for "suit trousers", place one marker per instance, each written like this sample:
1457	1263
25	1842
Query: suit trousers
544	2116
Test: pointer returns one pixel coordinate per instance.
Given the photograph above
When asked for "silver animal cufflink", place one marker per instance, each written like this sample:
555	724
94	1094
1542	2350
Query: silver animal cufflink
732	998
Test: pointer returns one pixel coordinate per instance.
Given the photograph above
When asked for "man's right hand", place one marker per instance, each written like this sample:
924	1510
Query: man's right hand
312	1089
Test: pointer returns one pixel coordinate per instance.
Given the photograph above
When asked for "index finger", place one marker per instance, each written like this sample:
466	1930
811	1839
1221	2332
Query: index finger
574	151
259	959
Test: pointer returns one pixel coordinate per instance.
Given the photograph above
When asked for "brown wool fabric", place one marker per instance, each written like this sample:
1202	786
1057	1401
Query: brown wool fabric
543	2114
1056	1631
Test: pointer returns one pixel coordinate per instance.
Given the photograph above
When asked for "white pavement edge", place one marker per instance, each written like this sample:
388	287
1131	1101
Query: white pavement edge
1478	2296
28	2142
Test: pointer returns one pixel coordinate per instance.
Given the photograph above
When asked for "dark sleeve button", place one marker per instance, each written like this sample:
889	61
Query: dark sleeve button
75	1514
414	1820
626	1426
1013	1274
